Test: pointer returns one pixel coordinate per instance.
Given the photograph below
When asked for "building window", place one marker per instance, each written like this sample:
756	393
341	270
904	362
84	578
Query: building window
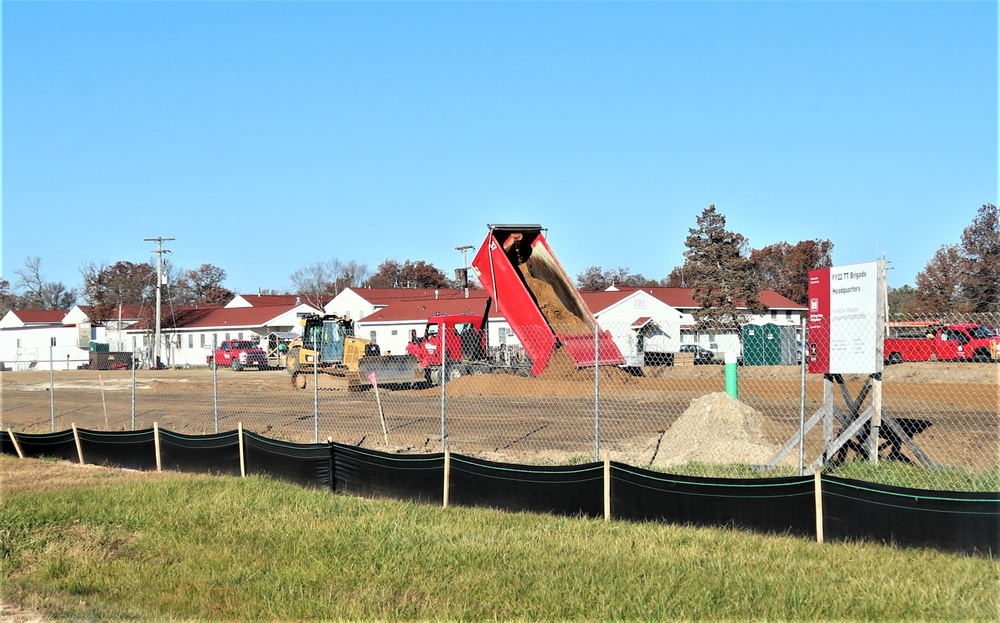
191	340
19	342
227	335
788	314
640	303
201	340
394	332
774	314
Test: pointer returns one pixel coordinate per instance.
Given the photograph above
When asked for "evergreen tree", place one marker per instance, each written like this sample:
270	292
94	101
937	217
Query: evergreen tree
723	278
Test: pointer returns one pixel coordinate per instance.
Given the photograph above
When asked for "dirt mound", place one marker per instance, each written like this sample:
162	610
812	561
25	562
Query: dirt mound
716	429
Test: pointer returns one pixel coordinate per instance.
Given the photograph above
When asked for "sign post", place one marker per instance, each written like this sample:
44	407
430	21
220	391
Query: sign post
846	335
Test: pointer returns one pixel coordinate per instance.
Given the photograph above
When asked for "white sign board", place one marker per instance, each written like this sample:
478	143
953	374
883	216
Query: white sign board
846	327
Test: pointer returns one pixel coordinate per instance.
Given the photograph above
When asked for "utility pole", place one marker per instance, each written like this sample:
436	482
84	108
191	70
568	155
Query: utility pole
159	288
465	267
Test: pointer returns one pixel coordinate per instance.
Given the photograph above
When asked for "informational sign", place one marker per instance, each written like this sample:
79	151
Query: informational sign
846	319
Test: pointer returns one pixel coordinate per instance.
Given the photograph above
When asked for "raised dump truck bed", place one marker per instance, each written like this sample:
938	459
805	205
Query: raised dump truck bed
531	289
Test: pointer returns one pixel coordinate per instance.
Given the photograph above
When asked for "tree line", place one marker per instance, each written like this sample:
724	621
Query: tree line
724	272
963	277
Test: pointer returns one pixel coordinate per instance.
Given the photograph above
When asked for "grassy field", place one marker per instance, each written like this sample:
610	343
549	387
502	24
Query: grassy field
86	543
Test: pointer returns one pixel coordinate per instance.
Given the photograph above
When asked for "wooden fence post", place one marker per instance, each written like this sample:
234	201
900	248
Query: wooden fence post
17	446
243	462
156	443
447	476
79	448
607	488
819	505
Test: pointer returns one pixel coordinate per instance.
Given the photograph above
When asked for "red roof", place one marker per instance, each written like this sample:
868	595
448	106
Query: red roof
234	316
422	309
264	300
680	298
385	296
40	316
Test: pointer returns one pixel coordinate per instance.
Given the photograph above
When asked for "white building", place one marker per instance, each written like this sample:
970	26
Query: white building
32	339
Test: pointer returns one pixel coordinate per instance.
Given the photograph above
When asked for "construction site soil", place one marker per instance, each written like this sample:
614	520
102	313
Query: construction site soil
665	416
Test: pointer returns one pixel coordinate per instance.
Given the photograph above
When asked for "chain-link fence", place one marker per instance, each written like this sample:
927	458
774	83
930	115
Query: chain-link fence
660	400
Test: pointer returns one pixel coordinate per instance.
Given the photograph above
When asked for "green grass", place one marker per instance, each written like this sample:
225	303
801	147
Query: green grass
214	548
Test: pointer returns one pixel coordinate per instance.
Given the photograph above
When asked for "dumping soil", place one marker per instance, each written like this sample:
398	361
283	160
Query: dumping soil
553	309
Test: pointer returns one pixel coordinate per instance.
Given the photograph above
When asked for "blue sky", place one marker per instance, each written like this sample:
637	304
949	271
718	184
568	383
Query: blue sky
267	136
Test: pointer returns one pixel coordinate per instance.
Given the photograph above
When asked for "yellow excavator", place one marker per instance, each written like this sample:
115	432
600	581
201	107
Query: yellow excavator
328	353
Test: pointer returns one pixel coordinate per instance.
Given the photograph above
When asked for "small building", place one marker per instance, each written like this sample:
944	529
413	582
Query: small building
35	339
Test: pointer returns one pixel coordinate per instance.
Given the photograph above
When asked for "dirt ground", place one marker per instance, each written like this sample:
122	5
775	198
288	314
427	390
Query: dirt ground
518	419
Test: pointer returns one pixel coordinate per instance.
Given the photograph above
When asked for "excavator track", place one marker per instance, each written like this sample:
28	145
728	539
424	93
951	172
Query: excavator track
340	382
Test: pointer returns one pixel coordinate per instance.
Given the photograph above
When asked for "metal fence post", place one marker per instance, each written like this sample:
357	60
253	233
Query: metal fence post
597	394
802	396
215	383
317	351
443	333
52	386
132	366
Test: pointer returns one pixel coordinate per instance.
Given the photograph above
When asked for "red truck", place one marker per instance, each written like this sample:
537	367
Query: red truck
953	342
238	354
538	300
536	296
465	339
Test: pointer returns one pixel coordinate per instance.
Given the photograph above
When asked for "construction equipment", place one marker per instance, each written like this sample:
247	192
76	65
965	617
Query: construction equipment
536	296
537	299
329	353
465	350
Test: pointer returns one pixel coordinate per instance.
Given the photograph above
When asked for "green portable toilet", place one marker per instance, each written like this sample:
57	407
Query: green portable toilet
761	345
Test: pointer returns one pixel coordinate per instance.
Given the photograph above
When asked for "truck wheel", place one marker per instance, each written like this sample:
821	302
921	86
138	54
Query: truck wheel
292	361
211	363
895	358
456	372
236	366
982	355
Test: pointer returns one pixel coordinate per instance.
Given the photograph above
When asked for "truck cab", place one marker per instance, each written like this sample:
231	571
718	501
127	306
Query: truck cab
464	340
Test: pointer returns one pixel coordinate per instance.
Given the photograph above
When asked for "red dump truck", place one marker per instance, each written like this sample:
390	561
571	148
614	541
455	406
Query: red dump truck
953	342
536	296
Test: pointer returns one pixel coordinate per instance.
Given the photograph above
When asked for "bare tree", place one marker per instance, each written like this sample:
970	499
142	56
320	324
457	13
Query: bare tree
321	281
595	279
37	293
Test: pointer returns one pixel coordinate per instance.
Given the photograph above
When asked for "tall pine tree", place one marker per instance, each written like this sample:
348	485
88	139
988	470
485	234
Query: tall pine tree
724	282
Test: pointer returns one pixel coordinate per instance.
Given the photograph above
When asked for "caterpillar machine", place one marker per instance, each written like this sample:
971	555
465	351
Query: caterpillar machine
329	354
